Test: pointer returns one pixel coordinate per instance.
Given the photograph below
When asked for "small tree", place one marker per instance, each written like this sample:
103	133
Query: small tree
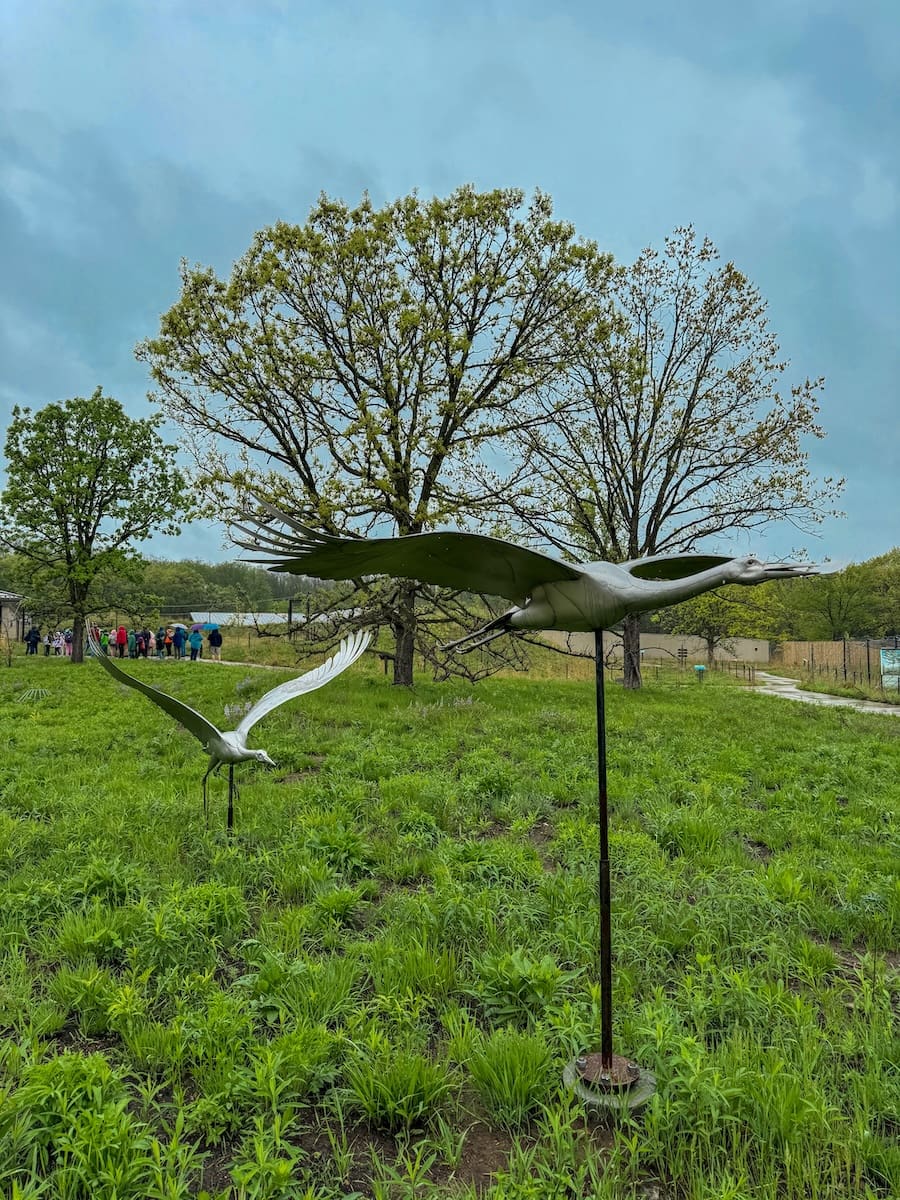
678	431
85	482
355	369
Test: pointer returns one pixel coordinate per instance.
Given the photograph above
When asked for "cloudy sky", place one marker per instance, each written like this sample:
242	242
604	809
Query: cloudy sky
137	132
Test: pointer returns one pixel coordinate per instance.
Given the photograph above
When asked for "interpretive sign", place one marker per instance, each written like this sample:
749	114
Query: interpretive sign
890	670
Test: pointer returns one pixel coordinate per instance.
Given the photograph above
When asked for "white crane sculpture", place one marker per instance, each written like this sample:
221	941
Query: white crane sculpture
231	746
548	593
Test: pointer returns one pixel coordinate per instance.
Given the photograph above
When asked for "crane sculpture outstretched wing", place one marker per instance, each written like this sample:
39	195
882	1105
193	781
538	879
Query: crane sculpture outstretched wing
468	561
193	721
673	566
347	653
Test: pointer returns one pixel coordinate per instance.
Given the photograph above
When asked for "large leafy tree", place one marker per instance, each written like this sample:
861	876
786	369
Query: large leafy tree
680	429
356	368
85	483
859	601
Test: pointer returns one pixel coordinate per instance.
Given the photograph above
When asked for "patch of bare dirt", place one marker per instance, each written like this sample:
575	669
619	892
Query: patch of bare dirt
75	1042
758	849
541	835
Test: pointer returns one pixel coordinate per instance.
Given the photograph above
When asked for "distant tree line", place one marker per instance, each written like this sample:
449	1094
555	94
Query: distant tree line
153	587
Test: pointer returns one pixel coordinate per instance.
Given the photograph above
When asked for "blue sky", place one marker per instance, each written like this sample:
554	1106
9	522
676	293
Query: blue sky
136	133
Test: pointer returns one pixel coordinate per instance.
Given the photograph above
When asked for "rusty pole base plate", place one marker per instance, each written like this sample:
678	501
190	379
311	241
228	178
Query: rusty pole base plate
623	1086
621	1073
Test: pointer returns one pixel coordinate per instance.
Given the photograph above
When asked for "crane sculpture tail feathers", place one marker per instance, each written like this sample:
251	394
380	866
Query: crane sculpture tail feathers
481	637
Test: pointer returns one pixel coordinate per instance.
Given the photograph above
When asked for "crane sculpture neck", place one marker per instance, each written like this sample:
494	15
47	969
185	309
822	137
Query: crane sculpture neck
673	591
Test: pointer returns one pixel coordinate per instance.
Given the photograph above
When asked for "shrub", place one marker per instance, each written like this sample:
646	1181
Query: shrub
514	987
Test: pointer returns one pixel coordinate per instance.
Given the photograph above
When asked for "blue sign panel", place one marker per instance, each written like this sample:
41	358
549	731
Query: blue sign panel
890	669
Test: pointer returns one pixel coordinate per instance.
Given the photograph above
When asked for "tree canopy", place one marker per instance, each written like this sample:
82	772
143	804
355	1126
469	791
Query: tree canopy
356	368
85	483
862	600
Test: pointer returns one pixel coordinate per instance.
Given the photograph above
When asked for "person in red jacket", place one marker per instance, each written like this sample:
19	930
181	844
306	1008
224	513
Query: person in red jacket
121	640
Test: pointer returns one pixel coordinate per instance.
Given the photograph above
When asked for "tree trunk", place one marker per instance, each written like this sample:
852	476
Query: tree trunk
631	650
78	639
403	626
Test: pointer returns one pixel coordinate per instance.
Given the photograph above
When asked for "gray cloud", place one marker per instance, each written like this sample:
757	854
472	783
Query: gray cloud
172	131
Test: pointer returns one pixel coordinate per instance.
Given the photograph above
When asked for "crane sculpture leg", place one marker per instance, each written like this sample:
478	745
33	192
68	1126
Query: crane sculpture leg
232	792
209	770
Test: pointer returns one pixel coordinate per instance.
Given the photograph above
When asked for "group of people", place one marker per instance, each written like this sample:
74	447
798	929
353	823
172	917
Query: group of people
53	643
169	641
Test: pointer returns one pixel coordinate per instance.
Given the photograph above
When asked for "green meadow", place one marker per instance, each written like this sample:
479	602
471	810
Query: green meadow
372	988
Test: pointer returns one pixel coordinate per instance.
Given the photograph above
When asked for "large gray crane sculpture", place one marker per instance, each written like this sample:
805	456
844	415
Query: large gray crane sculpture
548	593
231	747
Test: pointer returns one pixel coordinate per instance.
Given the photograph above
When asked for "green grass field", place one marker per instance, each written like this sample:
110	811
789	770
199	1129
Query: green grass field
372	988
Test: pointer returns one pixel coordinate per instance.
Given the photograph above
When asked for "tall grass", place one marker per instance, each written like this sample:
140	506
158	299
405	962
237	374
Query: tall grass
386	968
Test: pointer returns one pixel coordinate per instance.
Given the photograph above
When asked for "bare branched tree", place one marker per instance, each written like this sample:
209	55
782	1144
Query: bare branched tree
677	431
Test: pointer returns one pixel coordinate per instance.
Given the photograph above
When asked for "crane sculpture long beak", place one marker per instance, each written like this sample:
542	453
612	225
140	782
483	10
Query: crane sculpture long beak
787	570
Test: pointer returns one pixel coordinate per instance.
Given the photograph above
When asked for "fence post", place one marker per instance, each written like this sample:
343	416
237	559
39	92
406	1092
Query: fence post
868	664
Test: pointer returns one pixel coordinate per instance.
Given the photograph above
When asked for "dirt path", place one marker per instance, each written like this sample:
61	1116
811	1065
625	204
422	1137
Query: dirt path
777	685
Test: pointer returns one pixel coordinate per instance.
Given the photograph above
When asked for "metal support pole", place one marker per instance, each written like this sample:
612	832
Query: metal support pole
606	1080
606	1040
230	819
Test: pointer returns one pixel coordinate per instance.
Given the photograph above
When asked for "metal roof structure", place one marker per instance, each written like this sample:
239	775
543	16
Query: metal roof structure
240	618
